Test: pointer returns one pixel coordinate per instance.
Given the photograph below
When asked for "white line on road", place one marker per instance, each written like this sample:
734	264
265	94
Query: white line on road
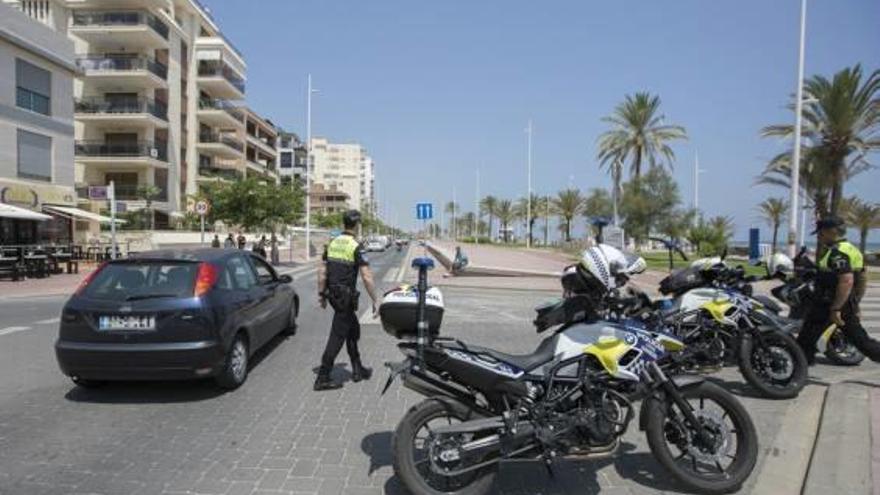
50	321
8	330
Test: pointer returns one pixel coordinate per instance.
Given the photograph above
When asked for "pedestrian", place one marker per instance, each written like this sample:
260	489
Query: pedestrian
229	242
216	242
273	243
342	261
840	285
242	242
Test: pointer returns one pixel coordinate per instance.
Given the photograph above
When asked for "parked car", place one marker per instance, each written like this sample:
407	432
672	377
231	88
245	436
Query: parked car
174	315
374	245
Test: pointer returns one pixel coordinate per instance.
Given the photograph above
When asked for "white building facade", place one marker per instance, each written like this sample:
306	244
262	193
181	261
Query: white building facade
347	168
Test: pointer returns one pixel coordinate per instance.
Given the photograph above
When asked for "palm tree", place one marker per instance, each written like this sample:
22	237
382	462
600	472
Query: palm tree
505	213
489	206
638	132
545	209
522	211
840	125
466	223
451	208
773	210
864	216
148	193
567	204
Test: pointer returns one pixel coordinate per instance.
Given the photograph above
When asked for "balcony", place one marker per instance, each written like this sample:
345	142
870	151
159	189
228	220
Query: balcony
220	145
126	72
124	192
127	27
124	155
142	112
220	113
207	172
220	80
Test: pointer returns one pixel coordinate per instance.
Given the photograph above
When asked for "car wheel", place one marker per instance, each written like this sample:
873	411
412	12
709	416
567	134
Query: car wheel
235	368
82	382
290	329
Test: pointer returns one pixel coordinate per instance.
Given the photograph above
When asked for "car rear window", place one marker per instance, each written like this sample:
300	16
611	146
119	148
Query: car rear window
142	280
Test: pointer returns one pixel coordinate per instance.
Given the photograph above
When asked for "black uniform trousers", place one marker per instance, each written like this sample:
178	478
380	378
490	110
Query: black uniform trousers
345	330
817	320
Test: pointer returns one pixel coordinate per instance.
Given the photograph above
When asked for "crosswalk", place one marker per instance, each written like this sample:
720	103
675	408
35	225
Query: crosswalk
870	308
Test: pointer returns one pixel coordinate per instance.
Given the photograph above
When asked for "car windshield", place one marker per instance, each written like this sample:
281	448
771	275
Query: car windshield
143	280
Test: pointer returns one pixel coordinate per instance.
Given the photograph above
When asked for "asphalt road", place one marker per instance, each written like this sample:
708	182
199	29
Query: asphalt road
275	435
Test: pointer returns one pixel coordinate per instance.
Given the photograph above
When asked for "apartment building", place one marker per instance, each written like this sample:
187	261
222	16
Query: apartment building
329	199
348	168
291	157
157	100
36	129
261	138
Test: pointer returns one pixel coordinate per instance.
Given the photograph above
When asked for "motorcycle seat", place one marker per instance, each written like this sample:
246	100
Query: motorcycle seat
545	353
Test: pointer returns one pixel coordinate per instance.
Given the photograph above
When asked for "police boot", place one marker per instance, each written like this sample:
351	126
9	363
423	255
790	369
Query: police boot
359	372
324	382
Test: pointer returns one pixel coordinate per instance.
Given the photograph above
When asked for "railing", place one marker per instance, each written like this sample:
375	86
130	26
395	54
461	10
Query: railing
222	173
225	105
211	137
124	192
214	69
120	18
122	64
96	148
98	104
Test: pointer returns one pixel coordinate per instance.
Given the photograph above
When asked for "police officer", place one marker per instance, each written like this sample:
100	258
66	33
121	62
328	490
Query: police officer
840	285
337	284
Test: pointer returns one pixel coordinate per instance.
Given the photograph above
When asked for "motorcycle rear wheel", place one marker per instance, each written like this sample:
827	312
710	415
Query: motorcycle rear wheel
675	446
759	362
415	471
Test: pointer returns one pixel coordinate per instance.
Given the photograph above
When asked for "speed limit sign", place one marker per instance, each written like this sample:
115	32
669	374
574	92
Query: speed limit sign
202	207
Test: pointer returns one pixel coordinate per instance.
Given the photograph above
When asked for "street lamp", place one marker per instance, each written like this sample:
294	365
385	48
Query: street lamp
309	170
529	195
796	153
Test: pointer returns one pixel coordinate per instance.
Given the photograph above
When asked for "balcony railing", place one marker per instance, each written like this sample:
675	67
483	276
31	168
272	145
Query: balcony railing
120	18
211	137
124	192
215	69
98	104
225	105
222	173
101	149
122	64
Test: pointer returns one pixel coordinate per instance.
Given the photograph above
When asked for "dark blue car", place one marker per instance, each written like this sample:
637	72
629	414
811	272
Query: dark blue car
174	315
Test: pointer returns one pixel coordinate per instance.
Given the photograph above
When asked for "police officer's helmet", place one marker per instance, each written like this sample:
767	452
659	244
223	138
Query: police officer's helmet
830	223
351	218
780	264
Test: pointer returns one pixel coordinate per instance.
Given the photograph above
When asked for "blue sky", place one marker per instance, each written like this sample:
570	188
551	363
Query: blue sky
437	89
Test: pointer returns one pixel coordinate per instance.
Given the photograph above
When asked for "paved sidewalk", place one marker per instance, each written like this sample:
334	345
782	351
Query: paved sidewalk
49	286
507	259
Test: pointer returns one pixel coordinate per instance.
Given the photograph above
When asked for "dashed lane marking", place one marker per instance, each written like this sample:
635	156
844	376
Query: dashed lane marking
9	330
50	321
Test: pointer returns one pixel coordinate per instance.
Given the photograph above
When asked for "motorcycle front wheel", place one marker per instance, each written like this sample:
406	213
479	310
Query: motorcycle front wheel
774	364
411	452
716	459
841	351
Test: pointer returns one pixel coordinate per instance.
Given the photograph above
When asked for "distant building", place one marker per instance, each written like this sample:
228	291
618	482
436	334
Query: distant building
291	156
260	143
36	127
328	199
348	168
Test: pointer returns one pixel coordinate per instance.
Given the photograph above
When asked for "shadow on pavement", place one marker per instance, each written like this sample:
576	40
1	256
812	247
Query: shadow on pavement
340	372
741	389
162	392
531	476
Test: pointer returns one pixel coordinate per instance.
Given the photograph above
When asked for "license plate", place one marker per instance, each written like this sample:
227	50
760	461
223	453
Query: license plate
127	323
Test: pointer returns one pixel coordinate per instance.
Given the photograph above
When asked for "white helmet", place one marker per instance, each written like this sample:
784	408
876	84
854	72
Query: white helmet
780	264
606	262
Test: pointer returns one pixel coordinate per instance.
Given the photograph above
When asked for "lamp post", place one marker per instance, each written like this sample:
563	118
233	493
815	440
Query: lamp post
796	153
309	170
529	194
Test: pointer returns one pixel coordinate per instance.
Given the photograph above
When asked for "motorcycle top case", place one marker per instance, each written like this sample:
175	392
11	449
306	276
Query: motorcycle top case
399	311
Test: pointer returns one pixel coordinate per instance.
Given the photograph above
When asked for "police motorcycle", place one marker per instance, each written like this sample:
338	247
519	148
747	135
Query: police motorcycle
798	290
711	307
572	398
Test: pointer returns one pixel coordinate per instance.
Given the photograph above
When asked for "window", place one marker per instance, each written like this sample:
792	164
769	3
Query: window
264	271
124	281
286	159
34	156
242	275
33	87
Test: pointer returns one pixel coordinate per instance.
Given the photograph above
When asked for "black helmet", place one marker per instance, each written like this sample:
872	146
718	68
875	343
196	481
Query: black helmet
351	218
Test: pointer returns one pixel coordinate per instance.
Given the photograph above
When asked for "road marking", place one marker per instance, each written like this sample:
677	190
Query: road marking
9	330
390	275
50	321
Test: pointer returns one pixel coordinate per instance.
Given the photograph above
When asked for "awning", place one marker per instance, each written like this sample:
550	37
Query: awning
69	211
9	211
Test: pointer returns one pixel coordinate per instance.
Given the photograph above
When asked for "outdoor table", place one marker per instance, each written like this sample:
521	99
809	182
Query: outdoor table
36	265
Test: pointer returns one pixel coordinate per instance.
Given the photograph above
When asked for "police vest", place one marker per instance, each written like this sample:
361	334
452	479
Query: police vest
342	261
342	249
856	260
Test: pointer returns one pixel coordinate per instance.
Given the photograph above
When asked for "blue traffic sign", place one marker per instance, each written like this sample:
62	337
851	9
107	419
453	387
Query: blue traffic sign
424	211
